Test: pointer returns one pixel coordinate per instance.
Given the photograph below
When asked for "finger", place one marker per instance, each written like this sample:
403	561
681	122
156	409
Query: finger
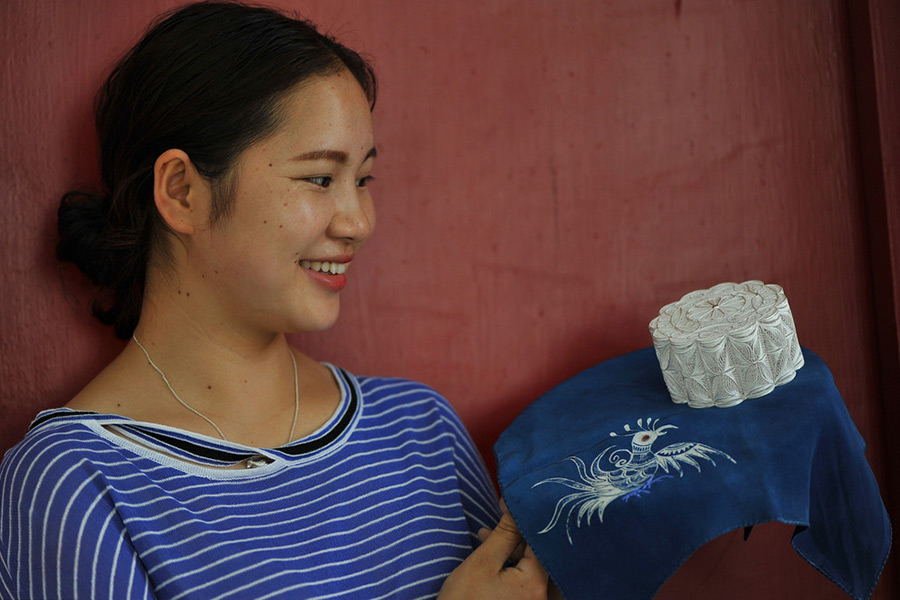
531	563
503	507
501	542
518	553
483	534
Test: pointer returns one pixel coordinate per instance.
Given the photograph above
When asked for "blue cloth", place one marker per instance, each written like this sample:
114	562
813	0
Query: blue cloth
614	516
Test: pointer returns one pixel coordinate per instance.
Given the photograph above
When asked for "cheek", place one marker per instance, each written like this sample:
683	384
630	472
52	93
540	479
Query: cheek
271	229
275	223
255	249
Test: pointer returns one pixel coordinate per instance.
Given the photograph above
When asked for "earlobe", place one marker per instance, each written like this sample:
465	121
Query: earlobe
177	188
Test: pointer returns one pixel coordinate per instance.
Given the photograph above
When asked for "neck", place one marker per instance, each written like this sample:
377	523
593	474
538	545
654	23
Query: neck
242	381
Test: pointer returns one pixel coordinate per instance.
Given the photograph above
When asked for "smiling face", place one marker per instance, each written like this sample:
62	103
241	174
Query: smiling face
301	210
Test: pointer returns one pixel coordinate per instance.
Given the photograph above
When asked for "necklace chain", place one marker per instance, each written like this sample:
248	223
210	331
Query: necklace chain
207	419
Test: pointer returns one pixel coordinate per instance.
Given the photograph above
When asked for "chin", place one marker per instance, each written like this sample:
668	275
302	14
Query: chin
313	323
317	328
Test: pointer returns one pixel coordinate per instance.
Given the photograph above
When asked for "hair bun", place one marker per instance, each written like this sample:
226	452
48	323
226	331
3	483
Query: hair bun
82	223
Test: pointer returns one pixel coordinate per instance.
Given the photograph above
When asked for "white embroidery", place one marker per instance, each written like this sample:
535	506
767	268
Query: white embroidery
630	474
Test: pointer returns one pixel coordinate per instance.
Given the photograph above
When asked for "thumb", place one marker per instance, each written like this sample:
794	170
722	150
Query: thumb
483	534
501	542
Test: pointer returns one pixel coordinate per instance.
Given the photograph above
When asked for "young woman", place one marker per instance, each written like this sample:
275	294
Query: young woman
210	459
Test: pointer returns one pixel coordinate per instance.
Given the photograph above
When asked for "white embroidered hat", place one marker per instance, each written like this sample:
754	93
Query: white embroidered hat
723	345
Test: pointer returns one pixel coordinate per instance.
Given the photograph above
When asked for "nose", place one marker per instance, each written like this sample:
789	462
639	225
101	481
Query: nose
354	216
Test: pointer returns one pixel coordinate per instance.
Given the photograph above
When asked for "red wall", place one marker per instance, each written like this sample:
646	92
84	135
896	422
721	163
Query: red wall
549	175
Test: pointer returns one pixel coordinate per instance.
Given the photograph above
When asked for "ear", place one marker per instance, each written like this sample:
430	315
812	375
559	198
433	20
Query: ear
180	193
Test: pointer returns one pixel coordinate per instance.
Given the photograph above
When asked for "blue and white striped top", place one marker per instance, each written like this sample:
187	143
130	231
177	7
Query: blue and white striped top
383	501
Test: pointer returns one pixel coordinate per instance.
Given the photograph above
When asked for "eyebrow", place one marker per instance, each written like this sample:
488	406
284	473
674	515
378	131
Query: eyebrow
335	155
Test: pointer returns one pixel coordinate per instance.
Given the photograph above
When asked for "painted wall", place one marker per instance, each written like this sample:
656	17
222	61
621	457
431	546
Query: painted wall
549	175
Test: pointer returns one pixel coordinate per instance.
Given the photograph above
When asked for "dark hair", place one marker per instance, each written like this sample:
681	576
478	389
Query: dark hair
206	79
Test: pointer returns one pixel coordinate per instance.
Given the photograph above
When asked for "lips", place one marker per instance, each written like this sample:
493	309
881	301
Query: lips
327	273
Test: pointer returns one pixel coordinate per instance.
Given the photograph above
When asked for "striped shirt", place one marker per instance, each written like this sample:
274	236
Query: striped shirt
382	501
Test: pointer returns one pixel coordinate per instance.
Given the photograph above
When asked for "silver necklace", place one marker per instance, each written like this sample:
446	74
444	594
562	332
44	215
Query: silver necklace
207	419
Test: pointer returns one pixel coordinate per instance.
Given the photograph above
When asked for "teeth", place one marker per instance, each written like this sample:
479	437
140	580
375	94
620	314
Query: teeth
324	266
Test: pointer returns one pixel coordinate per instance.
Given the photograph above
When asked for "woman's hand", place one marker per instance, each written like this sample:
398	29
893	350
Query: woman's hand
483	576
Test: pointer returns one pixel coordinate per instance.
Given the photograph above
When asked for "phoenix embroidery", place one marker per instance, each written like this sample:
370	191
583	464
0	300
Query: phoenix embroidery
625	473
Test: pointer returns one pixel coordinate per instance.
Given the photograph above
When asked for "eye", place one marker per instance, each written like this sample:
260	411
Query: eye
323	181
364	181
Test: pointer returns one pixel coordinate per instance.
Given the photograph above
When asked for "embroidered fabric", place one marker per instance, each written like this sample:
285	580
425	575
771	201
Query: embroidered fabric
721	346
614	486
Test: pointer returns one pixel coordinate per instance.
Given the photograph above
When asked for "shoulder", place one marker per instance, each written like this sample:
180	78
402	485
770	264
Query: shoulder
52	433
394	393
58	507
59	453
415	404
121	388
